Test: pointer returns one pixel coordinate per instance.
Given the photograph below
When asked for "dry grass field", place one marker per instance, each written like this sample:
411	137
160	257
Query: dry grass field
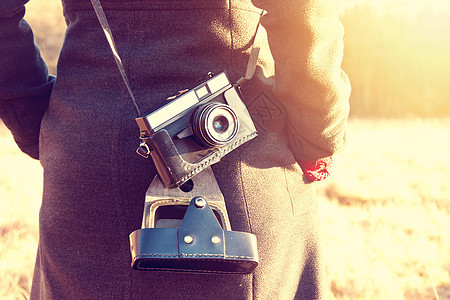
20	197
385	213
386	209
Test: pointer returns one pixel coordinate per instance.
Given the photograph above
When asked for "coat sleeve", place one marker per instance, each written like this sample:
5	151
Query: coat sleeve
25	84
306	41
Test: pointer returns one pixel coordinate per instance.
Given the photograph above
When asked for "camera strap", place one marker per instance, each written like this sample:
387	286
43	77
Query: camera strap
109	36
251	66
254	54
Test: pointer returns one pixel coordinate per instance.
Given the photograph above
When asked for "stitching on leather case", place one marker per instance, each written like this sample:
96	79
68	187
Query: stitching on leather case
201	270
206	255
219	154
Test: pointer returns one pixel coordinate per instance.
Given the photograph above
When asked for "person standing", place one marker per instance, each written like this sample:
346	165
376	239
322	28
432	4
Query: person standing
80	125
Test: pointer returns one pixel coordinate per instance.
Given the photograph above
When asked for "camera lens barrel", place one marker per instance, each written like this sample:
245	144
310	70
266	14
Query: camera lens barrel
214	124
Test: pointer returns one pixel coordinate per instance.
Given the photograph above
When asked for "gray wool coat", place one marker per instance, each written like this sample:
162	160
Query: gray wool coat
81	127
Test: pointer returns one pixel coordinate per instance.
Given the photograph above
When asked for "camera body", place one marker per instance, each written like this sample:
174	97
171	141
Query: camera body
195	129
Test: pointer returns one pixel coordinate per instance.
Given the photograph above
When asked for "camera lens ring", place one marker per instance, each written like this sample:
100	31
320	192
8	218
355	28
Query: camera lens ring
215	124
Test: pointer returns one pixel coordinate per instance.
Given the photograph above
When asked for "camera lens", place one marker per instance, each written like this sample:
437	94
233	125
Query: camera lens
214	124
220	124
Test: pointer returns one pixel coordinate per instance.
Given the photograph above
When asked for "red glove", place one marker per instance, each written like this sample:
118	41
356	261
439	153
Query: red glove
317	170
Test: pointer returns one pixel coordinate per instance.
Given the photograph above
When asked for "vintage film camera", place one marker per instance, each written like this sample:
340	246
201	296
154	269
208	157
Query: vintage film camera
181	230
195	130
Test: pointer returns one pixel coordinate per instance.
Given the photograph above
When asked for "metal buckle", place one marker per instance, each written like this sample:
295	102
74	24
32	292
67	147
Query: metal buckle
144	150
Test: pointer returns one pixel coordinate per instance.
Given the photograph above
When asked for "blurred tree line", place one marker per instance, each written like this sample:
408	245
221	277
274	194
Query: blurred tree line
398	60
